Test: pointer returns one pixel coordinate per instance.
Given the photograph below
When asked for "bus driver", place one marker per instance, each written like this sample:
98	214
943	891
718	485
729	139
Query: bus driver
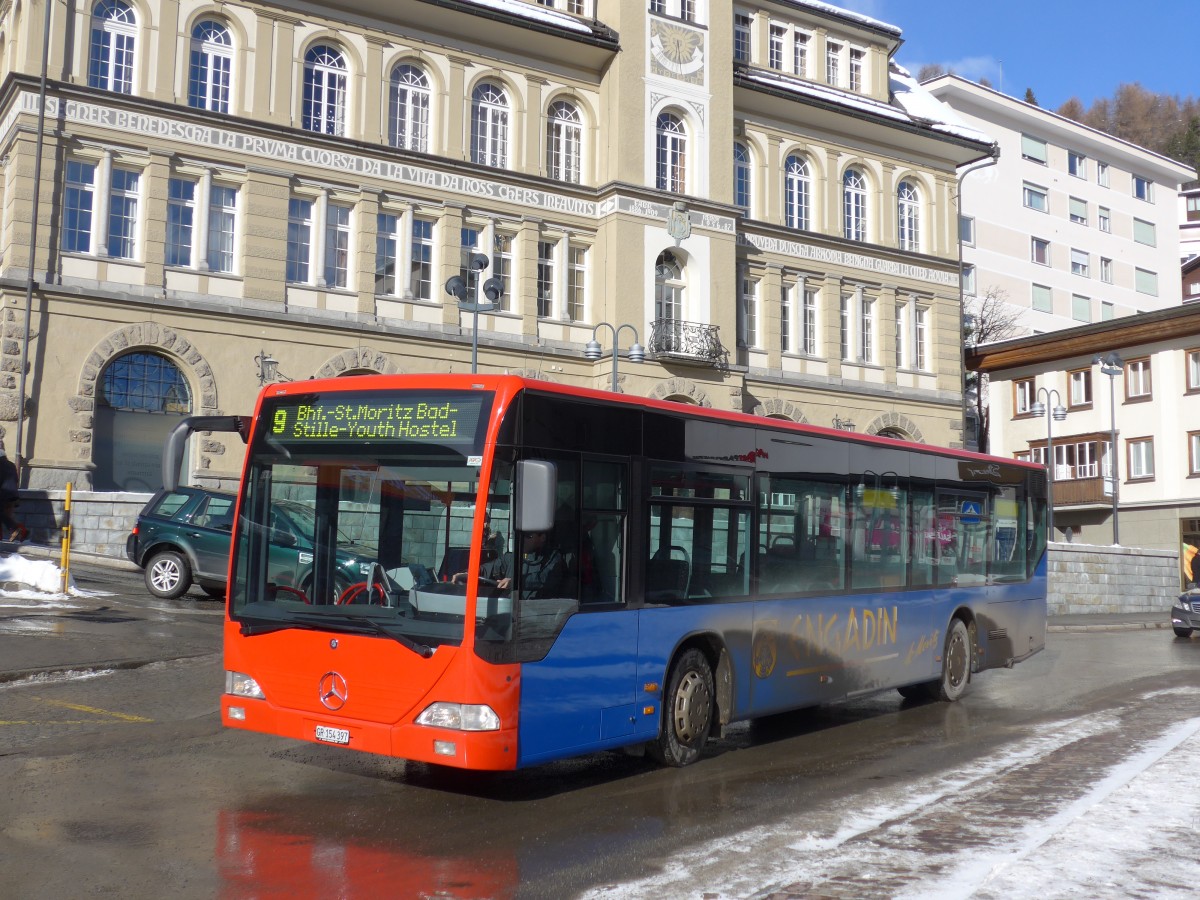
543	568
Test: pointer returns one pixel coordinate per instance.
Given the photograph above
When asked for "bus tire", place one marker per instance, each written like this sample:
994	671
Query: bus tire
956	663
687	711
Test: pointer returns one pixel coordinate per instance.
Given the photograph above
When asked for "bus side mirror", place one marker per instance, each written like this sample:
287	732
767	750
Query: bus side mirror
537	487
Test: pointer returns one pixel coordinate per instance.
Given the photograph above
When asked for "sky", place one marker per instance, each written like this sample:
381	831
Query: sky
1059	48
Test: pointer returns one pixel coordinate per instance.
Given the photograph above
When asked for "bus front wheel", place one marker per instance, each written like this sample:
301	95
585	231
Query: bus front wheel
687	711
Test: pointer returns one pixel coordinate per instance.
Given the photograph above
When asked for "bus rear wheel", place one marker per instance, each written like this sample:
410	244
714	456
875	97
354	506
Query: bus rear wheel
687	711
956	663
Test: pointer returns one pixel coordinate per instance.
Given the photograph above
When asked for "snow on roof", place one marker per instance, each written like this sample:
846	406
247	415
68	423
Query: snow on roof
914	104
536	13
924	107
847	14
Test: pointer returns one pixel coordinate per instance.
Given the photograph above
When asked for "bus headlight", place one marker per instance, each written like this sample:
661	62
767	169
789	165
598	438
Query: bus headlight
460	717
242	686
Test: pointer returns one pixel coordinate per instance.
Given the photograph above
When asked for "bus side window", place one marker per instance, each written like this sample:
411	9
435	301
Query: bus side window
924	538
599	560
1008	525
800	538
879	540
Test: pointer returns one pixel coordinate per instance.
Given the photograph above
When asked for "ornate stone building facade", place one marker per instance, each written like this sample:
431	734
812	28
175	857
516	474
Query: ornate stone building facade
241	192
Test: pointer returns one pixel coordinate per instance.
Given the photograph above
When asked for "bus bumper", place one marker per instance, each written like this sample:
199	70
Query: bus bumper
486	750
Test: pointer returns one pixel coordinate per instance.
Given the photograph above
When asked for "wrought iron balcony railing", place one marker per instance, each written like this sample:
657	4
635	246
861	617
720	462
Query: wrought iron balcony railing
690	341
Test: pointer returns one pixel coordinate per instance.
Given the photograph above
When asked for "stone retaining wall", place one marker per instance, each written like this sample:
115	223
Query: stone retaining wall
100	520
1089	578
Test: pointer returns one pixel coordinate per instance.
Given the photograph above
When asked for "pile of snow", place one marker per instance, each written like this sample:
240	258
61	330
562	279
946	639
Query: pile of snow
33	578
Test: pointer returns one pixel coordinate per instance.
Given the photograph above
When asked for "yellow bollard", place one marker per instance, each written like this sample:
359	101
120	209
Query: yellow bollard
65	558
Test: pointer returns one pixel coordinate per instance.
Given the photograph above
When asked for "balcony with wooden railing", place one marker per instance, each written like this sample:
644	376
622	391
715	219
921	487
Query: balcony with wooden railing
1079	491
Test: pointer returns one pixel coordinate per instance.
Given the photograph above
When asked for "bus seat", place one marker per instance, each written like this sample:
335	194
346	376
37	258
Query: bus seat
667	579
453	562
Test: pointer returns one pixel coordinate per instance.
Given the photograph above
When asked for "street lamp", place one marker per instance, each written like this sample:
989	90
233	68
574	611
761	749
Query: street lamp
493	289
268	369
1058	414
637	353
1112	365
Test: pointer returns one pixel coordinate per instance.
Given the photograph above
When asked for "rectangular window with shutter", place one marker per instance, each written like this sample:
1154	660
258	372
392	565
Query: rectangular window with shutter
1033	149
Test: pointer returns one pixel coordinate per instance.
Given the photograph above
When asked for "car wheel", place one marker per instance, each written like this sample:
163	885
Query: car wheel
168	575
956	663
687	711
215	592
1182	632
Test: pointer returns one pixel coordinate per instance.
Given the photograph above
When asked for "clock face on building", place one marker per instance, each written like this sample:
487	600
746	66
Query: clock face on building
676	51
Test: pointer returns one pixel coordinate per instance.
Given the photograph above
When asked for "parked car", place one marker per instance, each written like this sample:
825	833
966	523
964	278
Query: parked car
182	538
1185	614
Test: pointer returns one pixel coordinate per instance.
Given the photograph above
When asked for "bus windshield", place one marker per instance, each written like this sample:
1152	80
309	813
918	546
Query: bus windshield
353	505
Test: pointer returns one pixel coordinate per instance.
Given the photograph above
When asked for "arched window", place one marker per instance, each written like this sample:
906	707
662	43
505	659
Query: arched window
489	126
668	287
854	205
140	398
408	122
741	176
210	66
114	40
564	142
797	188
670	154
324	91
909	216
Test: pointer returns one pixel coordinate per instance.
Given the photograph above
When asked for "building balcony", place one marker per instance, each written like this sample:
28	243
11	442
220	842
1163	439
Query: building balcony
691	342
1080	491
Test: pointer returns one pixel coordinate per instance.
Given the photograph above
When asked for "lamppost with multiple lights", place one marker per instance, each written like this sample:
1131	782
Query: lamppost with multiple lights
592	350
493	289
1058	414
1112	365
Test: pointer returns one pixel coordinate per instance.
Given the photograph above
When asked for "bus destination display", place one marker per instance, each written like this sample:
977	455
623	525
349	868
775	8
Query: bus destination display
423	418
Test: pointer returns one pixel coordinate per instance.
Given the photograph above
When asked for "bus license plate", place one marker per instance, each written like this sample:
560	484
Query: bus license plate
333	735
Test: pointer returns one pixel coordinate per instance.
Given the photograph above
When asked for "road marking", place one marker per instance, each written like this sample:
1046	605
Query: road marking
125	717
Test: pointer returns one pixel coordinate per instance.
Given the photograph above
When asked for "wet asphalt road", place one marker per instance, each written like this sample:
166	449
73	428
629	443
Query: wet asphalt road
125	784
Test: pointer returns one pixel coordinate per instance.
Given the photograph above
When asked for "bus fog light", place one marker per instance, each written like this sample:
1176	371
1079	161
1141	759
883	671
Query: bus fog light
445	748
242	686
237	713
460	717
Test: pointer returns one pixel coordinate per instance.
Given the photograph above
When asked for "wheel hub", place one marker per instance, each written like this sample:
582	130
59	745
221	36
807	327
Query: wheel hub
693	704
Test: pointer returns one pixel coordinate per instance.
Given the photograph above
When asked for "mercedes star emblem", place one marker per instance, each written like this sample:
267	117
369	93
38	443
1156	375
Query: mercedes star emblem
333	691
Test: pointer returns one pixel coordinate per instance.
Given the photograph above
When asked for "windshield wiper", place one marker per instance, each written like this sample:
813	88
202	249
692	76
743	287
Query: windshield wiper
319	622
260	626
422	650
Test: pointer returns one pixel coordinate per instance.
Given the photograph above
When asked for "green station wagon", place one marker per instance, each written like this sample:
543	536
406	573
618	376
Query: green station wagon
182	538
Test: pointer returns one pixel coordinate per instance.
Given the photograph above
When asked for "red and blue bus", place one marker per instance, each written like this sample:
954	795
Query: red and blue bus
710	567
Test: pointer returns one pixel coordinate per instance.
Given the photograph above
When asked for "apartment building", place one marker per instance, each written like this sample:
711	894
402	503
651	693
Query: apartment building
1072	225
238	193
1189	232
1134	379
